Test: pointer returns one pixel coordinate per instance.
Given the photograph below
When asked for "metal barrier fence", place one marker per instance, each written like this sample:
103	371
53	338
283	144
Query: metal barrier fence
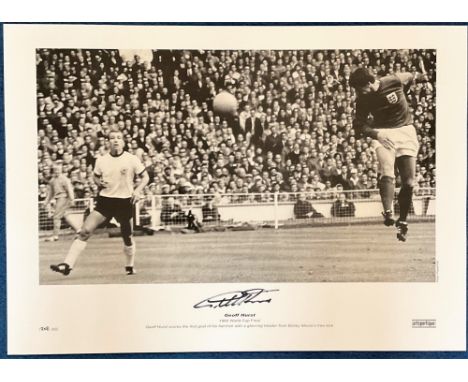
80	208
266	209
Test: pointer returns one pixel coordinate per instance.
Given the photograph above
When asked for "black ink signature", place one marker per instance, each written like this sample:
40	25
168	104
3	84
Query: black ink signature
235	298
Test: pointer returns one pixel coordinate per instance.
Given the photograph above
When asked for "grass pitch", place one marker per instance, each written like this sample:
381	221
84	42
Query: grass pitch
356	253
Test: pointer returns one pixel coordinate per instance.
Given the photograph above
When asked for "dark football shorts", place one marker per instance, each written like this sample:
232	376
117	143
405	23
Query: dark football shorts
118	208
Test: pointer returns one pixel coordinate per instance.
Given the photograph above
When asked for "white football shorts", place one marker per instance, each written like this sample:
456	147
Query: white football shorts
404	138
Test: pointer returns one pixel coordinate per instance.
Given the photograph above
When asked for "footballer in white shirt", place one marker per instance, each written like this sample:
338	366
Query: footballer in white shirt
114	172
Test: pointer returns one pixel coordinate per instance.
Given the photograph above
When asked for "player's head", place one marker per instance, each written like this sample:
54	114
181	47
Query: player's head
116	141
361	79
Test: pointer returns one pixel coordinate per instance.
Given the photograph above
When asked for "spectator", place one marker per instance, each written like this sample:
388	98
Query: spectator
316	184
210	212
254	126
303	209
42	192
342	207
171	213
362	184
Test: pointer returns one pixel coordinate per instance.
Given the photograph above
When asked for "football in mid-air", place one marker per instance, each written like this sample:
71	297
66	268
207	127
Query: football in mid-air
225	104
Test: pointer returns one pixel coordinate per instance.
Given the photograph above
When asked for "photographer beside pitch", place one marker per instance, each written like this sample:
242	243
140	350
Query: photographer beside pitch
115	173
394	137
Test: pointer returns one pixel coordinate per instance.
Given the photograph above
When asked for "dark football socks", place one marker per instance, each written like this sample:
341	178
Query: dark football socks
404	200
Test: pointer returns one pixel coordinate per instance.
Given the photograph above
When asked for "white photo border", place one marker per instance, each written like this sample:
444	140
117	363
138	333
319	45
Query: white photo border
353	306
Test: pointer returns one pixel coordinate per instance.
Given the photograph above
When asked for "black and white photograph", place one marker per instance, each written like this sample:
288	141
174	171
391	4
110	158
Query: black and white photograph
200	166
235	188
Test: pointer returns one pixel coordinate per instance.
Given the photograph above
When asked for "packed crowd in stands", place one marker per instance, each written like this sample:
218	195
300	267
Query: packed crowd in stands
293	132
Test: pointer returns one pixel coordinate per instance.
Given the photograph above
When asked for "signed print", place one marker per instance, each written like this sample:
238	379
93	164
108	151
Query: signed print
150	160
235	188
237	298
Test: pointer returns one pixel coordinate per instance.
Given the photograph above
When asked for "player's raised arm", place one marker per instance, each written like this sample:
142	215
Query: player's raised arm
408	78
405	78
362	127
360	123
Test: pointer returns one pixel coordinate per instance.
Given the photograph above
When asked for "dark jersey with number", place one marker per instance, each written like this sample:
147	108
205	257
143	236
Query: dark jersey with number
387	105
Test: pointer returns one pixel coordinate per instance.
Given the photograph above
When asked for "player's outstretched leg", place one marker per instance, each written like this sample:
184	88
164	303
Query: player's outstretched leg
406	167
75	227
386	184
129	246
62	268
58	223
79	244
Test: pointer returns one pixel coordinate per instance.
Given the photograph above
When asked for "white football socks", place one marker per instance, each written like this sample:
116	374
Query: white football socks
129	254
75	250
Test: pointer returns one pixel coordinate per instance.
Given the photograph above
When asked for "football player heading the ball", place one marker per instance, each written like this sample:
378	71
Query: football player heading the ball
115	173
394	136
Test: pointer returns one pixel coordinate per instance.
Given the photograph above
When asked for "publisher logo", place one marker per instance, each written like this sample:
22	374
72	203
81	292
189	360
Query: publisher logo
420	324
